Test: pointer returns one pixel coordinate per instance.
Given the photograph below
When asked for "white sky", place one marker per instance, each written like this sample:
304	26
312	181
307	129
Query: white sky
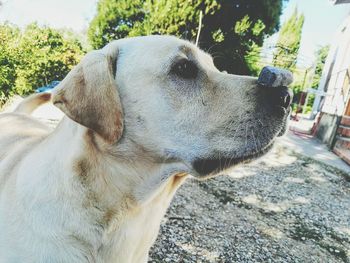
74	14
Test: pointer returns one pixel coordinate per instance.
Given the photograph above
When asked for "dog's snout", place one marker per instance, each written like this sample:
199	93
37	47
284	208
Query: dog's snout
280	96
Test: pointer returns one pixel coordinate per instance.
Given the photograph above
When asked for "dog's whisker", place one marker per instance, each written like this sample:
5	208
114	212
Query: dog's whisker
256	147
239	125
202	97
211	47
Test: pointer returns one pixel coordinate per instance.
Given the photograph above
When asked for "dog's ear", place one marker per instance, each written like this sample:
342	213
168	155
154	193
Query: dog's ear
89	96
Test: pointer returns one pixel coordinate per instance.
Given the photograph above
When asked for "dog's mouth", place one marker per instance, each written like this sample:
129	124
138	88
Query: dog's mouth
207	167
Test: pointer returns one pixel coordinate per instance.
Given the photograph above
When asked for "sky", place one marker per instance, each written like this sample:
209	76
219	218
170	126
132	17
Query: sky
73	14
321	18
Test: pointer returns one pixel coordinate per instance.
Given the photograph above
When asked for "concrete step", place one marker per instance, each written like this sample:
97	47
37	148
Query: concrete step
345	120
344	130
342	148
342	153
342	142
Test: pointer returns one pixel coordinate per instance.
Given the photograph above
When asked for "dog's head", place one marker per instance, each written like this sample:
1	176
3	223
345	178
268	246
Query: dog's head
166	96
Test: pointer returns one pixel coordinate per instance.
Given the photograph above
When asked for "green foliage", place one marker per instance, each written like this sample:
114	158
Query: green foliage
288	44
304	79
321	59
253	59
114	20
230	30
8	59
311	100
299	78
45	56
34	58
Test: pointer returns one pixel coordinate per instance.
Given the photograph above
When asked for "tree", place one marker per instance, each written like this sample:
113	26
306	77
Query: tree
230	29
114	20
8	59
45	56
288	44
321	54
34	58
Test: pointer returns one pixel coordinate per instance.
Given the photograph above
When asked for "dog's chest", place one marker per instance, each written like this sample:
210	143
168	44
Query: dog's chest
129	240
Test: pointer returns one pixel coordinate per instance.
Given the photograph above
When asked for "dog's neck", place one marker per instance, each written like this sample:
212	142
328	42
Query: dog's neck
125	194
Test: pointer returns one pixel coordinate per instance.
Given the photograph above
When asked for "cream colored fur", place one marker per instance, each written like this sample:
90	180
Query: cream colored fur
32	102
96	188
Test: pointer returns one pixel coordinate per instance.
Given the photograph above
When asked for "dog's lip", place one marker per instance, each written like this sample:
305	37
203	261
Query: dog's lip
284	127
206	167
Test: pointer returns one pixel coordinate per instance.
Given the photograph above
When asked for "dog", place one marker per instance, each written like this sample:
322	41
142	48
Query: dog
143	114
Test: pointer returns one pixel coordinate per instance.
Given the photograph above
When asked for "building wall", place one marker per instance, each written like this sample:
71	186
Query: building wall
333	82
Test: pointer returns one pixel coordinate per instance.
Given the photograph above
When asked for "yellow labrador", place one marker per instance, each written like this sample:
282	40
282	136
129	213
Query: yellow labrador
142	115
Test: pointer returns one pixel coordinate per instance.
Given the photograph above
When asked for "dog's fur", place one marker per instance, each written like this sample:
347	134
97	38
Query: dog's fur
96	188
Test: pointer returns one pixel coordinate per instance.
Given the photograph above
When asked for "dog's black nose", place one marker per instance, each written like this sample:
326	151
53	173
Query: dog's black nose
280	96
275	81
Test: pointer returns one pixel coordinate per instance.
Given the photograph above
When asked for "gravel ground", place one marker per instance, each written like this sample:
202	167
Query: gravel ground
286	208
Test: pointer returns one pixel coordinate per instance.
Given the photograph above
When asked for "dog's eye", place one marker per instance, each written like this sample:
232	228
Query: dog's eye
185	69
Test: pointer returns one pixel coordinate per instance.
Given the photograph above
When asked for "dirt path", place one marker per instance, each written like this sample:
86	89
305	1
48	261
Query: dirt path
287	208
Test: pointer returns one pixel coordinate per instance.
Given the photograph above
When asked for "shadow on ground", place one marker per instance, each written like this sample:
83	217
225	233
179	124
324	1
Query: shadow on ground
286	208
